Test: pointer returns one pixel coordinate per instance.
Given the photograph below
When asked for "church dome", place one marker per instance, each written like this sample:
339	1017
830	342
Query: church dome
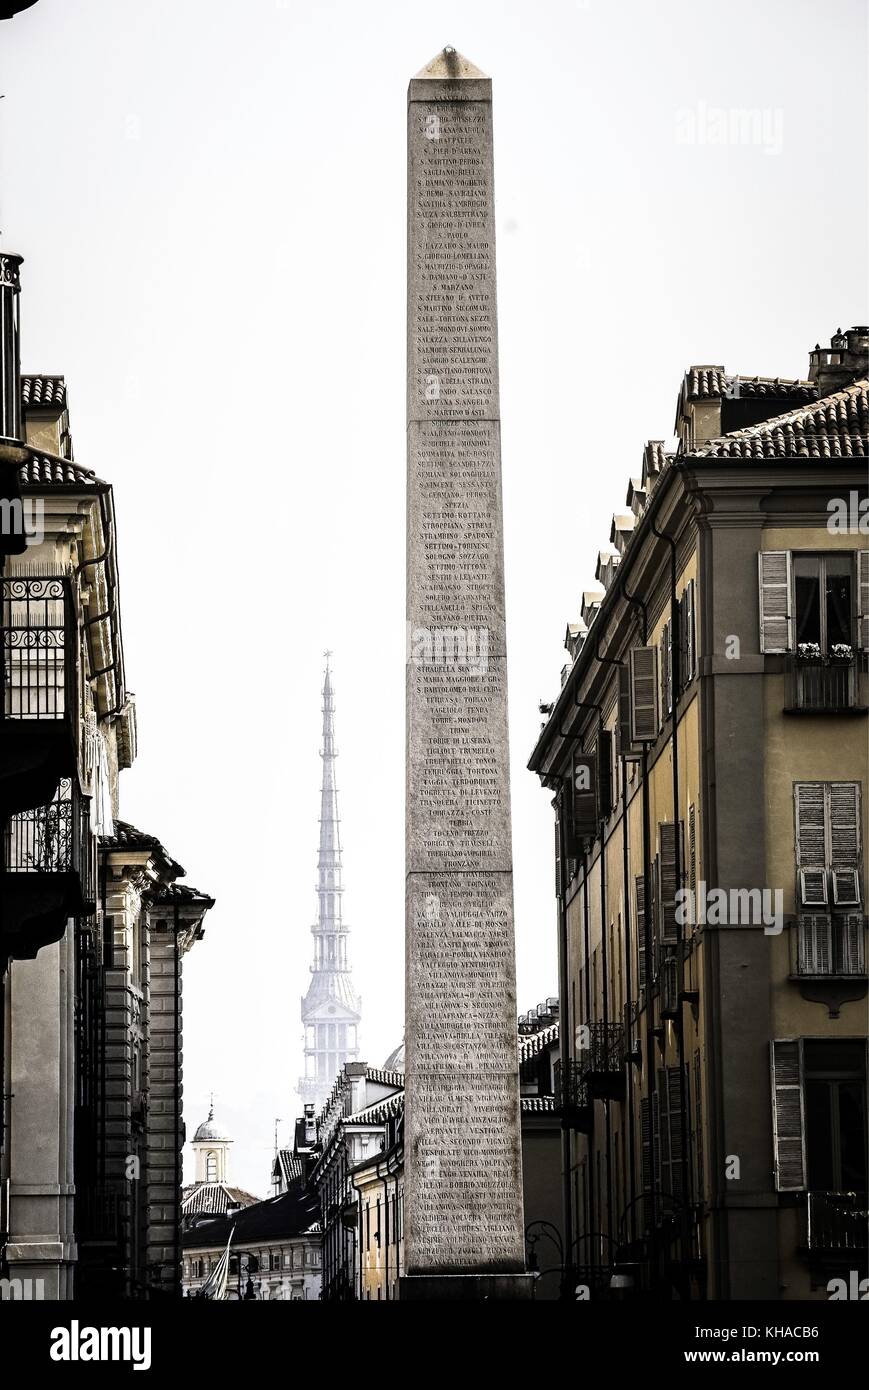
395	1060
210	1131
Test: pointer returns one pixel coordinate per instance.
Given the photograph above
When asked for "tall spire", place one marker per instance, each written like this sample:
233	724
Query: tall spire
331	1007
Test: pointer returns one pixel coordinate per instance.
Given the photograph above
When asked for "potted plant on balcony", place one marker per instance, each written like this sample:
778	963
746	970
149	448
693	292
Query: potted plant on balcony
841	653
809	651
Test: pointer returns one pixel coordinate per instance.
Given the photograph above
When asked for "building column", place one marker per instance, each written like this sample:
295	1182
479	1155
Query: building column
41	1246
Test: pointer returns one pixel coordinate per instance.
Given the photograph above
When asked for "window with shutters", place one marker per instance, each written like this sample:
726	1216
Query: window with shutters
687	637
666	663
830	924
644	694
669	931
819	1115
640	898
816	604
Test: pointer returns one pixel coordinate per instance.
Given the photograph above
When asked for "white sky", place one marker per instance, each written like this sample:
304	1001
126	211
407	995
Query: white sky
210	197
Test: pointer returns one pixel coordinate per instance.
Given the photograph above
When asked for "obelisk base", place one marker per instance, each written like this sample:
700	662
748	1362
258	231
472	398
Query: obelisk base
444	1288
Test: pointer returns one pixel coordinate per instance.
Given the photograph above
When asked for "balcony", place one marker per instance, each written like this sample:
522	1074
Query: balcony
816	684
39	709
836	1222
603	1062
48	872
829	946
572	1100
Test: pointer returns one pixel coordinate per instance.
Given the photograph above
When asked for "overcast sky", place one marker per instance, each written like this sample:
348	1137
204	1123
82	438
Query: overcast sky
210	197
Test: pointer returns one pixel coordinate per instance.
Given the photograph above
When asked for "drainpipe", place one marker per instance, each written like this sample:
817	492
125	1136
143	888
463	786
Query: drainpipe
675	679
385	1180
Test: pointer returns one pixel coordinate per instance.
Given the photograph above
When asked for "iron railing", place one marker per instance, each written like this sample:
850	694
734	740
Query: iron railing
37	647
571	1091
54	839
606	1048
837	1221
821	685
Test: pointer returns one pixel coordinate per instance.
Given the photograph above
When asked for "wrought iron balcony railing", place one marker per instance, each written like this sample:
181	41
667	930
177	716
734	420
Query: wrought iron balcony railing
49	871
572	1099
837	1221
38	710
822	685
603	1060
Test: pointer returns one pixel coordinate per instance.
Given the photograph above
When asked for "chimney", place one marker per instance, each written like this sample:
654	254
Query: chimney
844	361
10	359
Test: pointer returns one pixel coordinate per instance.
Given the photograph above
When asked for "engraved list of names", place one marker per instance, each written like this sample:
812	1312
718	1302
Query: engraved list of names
462	1140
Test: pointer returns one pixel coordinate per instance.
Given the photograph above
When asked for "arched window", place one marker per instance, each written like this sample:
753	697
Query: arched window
211	1167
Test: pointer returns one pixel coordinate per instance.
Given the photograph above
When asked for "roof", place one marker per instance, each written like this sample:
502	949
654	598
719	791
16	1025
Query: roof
836	426
708	383
379	1112
386	1078
532	1043
50	470
128	837
294	1213
43	391
211	1132
288	1167
214	1197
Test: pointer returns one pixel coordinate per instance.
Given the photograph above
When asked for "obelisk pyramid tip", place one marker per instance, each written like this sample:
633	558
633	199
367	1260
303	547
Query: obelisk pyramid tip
449	65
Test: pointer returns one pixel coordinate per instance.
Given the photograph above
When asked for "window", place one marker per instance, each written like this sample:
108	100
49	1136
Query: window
822	600
211	1167
819	1114
830	934
274	1260
835	1104
810	600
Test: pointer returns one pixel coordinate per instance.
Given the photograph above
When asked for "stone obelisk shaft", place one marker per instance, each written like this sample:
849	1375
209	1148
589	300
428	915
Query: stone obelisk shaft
462	1136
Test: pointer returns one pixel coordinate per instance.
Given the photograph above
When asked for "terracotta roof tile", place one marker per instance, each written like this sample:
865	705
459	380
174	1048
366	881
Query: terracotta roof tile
43	391
47	470
836	426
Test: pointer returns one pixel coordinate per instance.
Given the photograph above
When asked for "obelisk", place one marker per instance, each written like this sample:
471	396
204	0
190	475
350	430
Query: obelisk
463	1177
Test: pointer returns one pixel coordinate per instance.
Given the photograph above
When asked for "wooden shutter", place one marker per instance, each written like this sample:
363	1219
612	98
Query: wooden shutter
844	800
668	929
686	635
692	848
641	931
698	1127
810	825
813	887
846	887
691	629
604	772
669	986
815	944
559	812
850	940
666	671
787	1115
624	744
645	719
776	621
670	1132
863	600
646	1131
653	918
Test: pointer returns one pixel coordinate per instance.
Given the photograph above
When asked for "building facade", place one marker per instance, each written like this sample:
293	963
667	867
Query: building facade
331	1008
708	759
94	922
275	1250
